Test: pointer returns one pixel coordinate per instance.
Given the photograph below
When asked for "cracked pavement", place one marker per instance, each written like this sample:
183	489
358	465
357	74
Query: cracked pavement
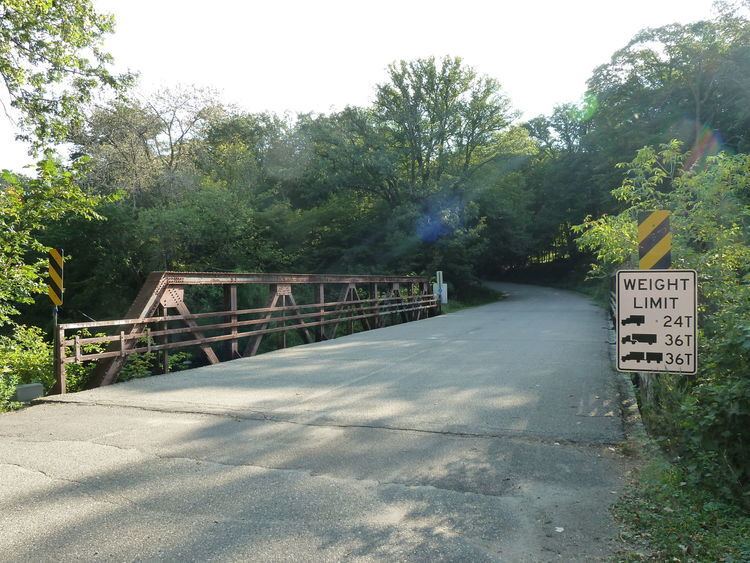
488	434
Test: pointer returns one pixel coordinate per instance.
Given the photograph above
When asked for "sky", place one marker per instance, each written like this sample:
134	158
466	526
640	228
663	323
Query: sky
301	56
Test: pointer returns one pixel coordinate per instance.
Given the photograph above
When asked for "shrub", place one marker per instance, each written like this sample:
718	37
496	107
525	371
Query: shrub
25	356
703	420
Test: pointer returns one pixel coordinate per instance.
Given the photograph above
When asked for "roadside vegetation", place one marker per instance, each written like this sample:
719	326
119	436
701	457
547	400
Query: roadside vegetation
667	518
437	173
473	297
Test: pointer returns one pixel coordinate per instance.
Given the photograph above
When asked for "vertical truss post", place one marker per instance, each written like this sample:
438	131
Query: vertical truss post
165	340
422	296
395	292
321	333
283	322
376	321
230	304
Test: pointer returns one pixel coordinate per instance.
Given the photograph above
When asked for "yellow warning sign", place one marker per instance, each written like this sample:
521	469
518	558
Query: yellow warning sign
654	240
55	287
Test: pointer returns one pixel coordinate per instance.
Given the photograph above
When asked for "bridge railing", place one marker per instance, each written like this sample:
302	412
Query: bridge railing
368	301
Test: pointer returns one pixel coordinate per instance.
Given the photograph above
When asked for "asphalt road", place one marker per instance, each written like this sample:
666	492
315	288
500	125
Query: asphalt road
487	434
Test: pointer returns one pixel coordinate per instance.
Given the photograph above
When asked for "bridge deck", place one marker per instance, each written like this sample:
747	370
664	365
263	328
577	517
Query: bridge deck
475	435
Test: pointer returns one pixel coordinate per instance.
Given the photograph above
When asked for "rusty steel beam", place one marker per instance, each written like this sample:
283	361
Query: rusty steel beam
230	302
166	290
166	318
374	305
219	278
306	334
144	305
254	343
225	337
195	329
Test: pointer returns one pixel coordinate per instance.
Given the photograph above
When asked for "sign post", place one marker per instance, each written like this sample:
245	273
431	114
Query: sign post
440	289
656	321
55	290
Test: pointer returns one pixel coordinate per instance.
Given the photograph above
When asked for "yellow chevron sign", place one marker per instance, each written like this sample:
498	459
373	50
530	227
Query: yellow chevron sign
55	287
654	240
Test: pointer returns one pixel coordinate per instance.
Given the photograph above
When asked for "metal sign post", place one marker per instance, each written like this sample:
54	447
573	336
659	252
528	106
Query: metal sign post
656	321
440	289
55	291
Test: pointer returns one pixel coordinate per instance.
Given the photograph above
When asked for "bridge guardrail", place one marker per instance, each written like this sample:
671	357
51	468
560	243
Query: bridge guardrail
368	300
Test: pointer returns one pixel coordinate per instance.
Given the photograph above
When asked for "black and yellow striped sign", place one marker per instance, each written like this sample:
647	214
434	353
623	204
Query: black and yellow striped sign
654	240
55	286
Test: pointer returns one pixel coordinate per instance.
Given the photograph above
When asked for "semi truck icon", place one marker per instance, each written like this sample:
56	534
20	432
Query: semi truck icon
649	357
634	320
637	356
654	357
643	338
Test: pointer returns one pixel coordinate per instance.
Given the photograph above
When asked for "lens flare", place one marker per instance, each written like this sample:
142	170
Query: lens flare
707	143
441	218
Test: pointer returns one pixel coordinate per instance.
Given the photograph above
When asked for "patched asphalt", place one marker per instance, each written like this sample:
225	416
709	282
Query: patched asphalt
487	434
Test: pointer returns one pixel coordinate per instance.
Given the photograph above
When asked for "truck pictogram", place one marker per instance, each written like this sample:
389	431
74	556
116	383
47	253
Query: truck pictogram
634	356
634	320
654	357
643	338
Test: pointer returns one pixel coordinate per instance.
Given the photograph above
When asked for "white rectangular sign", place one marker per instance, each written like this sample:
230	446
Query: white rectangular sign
656	321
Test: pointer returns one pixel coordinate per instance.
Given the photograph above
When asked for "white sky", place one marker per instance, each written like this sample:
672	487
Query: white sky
290	55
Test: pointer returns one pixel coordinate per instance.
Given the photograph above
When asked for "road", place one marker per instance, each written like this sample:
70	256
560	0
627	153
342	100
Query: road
487	434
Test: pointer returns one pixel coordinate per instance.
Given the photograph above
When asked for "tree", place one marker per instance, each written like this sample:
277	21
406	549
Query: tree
349	151
27	207
51	60
667	74
439	117
146	147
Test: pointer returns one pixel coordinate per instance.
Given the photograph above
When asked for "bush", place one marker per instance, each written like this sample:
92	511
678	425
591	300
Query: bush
25	357
680	522
704	421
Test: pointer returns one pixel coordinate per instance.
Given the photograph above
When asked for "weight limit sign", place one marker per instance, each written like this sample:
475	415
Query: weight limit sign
656	321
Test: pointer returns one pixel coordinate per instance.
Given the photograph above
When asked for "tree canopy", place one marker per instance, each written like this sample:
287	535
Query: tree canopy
51	61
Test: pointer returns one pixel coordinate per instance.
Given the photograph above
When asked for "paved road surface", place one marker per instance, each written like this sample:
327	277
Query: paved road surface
486	434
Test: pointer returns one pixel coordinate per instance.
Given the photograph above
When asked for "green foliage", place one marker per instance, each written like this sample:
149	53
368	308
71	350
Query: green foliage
673	81
27	208
77	375
680	522
138	366
25	357
441	117
51	60
705	420
147	364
